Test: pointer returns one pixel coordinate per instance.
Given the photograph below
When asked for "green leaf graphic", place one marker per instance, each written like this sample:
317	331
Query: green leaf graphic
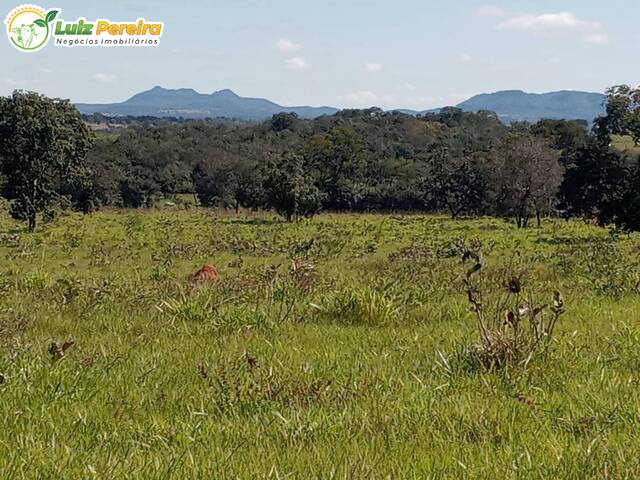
40	23
51	15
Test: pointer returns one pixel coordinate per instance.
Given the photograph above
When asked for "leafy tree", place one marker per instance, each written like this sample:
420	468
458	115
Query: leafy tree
42	141
82	191
600	182
244	187
289	190
628	215
338	160
456	182
138	191
228	181
284	121
565	136
207	186
594	183
623	113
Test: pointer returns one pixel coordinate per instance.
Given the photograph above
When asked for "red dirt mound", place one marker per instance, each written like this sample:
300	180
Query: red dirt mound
207	273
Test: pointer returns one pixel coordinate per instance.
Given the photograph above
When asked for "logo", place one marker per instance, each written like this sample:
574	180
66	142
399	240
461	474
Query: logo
30	28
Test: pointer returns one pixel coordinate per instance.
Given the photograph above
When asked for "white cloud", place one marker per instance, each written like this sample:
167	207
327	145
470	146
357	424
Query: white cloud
464	57
490	11
562	22
373	67
105	77
408	86
548	22
286	45
296	63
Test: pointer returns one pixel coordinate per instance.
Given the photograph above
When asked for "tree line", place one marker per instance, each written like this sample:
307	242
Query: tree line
462	163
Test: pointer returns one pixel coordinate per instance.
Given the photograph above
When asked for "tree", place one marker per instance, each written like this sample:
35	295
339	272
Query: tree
456	182
525	176
228	181
628	215
42	141
594	183
623	113
289	190
283	121
207	185
567	136
338	160
601	182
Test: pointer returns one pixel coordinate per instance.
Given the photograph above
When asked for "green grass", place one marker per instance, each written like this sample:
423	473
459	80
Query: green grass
352	366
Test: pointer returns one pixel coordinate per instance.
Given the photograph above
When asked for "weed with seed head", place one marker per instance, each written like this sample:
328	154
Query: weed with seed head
512	325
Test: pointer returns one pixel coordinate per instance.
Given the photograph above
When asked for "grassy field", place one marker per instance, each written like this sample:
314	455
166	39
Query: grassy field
334	348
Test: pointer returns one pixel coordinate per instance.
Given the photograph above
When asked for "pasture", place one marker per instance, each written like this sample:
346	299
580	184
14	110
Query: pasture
333	348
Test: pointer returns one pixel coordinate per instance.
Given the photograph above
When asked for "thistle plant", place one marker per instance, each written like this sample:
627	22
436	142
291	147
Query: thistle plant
512	326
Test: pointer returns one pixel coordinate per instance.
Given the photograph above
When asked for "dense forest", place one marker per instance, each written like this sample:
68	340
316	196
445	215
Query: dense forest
358	160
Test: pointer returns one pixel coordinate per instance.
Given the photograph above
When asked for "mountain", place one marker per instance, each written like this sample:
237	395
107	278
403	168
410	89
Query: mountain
515	105
510	105
187	103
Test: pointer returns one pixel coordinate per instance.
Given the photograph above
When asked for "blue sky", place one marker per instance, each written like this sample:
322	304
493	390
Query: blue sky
346	53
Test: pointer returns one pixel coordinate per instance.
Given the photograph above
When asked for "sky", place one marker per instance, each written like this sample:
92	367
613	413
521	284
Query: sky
345	53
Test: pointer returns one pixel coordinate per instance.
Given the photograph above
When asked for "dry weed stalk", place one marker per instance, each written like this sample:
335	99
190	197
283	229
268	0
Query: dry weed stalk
512	327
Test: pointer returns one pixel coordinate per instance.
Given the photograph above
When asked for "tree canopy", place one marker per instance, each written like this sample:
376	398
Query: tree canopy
43	144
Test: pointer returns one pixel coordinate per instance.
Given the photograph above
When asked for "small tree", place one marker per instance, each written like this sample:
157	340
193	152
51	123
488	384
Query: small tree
42	141
289	190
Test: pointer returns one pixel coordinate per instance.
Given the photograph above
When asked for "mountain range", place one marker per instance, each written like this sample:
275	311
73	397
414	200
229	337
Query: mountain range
187	103
509	105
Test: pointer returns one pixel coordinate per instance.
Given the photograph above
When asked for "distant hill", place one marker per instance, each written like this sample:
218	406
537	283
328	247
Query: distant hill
515	105
187	103
510	105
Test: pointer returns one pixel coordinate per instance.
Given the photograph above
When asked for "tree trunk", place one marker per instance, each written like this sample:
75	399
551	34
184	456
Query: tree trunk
32	222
